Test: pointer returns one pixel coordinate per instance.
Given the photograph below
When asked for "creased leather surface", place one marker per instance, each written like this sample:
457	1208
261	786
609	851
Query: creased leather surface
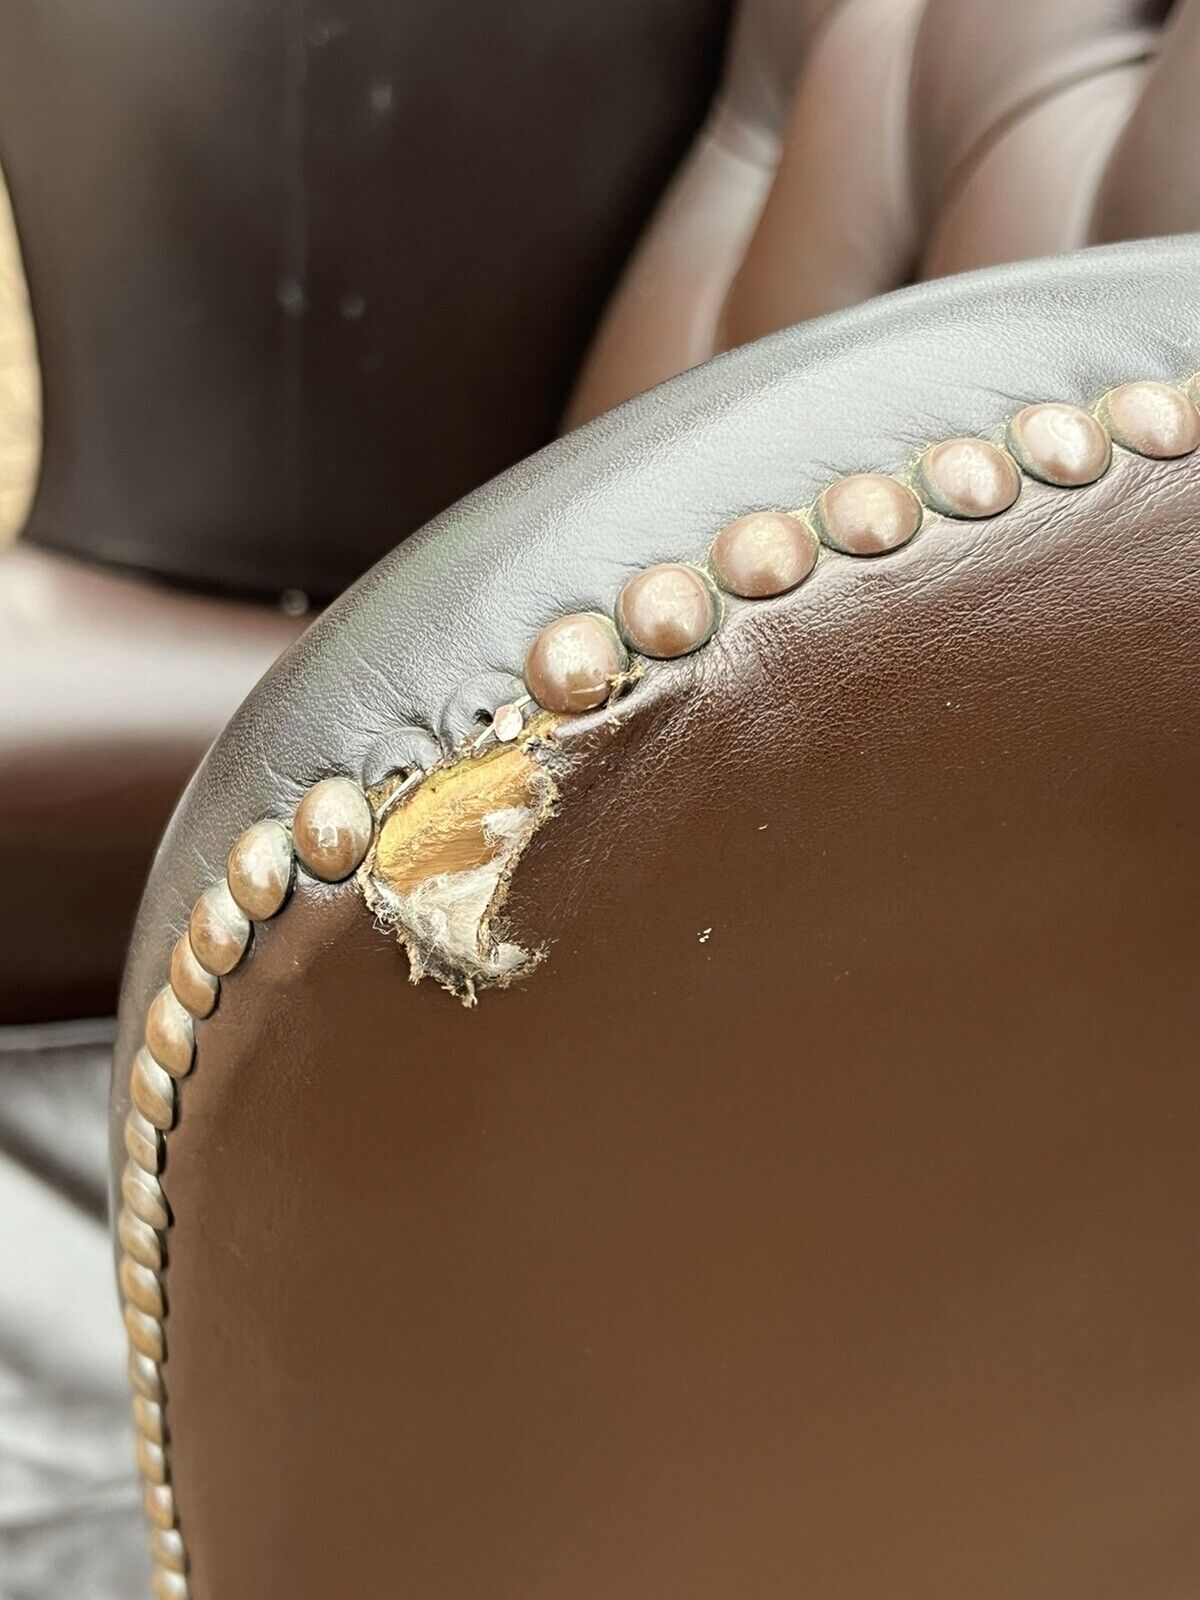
820	1218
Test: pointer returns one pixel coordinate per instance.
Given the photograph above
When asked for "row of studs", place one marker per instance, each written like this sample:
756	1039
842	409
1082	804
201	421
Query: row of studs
577	662
330	833
574	665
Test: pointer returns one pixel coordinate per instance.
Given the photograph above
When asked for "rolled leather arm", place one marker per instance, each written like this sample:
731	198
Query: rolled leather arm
802	1139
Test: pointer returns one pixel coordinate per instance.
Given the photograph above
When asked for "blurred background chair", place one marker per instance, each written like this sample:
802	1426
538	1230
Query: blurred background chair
300	281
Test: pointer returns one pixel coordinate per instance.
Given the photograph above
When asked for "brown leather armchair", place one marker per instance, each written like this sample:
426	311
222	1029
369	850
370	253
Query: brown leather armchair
808	1201
778	1176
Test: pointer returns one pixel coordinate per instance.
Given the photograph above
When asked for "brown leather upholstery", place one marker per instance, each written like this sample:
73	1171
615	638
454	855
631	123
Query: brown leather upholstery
858	145
818	1217
113	687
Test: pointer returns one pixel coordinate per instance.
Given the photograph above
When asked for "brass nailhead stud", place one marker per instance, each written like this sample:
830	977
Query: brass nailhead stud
967	478
139	1240
763	554
260	870
170	1033
1061	445
148	1419
168	1585
143	1141
144	1375
508	723
141	1287
144	1196
152	1090
332	828
667	611
219	930
867	514
158	1502
145	1334
166	1547
1153	419
152	1463
572	664
195	989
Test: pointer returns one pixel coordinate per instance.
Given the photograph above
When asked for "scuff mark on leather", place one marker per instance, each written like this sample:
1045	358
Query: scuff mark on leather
443	856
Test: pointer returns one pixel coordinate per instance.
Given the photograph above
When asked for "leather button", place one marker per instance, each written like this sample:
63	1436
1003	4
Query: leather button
332	829
1153	419
219	930
968	478
1060	444
763	554
260	869
667	611
867	514
572	664
195	989
170	1035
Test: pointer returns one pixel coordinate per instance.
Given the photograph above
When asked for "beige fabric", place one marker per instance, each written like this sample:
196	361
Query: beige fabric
20	387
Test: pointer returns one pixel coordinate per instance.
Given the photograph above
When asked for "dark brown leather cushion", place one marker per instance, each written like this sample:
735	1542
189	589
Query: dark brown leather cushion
303	275
113	689
846	1249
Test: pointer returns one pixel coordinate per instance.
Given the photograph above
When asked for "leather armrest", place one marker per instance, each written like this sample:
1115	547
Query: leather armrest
834	1158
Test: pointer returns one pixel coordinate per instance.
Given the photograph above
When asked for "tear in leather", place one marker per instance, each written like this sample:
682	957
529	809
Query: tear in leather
438	871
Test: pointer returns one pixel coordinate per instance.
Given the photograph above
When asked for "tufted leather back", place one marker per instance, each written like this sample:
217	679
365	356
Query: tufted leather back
301	281
858	145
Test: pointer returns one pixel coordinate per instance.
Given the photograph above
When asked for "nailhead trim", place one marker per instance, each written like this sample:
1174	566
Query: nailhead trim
225	933
861	488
